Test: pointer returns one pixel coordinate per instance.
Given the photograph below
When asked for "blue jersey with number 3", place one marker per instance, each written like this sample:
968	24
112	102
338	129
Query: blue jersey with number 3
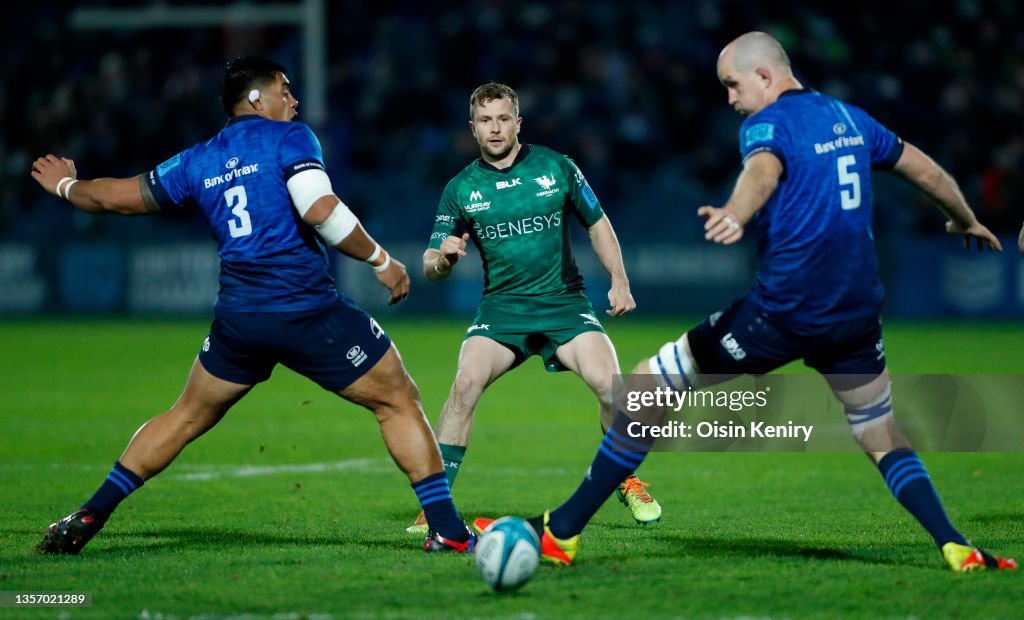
816	252
271	261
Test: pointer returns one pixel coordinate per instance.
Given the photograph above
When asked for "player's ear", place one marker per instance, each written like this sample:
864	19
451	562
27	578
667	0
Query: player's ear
254	97
764	74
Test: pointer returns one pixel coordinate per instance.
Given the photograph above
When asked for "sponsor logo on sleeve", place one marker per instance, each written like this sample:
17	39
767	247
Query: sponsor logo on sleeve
169	165
761	132
589	197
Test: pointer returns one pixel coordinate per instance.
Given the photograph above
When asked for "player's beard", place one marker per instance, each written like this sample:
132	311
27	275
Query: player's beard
501	154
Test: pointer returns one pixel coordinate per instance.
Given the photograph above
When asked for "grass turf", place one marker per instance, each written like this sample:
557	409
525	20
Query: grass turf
291	507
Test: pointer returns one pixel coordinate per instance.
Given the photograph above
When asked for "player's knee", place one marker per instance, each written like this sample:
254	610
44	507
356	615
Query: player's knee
673	364
468	386
863	417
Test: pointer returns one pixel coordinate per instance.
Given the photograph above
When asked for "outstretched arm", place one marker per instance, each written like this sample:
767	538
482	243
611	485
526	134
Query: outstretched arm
757	181
930	178
107	195
606	246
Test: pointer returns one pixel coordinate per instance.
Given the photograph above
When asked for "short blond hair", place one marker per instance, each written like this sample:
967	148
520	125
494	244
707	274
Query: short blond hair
491	91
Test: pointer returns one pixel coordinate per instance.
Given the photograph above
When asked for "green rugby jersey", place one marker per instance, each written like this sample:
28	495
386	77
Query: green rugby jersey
518	220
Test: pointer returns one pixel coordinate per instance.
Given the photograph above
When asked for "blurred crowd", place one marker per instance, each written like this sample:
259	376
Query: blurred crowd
628	89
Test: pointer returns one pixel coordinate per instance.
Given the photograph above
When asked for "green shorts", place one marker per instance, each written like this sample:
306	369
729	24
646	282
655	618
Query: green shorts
535	325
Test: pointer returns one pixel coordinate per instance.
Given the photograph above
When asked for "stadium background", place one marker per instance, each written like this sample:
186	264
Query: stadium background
291	508
626	89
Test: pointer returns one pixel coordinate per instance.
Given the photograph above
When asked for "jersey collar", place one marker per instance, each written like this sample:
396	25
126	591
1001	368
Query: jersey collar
795	91
242	118
524	150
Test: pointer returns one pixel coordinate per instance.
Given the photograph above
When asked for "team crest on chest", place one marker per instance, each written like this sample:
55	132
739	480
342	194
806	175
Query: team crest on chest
548	183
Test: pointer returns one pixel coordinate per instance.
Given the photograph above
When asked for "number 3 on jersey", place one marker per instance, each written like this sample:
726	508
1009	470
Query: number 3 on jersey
849	198
240	223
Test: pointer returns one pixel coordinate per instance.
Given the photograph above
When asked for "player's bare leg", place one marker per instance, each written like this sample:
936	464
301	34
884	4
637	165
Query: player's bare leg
390	393
481	362
591	355
870	413
202	404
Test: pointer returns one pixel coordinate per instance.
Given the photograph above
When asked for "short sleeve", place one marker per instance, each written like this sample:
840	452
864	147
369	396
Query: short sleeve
886	146
761	133
584	202
300	150
449	219
169	182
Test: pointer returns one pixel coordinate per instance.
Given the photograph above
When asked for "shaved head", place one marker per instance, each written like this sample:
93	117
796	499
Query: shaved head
755	49
755	70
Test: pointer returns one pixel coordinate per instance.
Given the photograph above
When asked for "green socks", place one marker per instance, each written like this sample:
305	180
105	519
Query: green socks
452	457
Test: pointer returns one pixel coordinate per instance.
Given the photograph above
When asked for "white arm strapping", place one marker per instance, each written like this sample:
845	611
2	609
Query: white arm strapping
338	225
307	187
311	185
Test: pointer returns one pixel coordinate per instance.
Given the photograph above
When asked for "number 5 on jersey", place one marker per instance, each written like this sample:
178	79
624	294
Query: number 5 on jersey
849	198
237	201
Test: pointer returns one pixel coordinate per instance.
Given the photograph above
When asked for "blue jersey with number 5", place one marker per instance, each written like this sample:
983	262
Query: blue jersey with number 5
271	261
816	252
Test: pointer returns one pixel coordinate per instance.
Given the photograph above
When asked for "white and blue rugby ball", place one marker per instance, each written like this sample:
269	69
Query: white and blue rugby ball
507	554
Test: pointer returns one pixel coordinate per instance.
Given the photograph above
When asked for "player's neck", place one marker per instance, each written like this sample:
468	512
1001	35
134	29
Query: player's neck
785	84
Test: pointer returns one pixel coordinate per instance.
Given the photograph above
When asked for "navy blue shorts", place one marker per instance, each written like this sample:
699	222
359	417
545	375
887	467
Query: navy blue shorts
740	340
332	346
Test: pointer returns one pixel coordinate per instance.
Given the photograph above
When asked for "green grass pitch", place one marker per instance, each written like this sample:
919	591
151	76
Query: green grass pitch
290	508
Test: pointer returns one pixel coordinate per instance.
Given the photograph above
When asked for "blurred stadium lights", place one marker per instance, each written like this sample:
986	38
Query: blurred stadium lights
308	15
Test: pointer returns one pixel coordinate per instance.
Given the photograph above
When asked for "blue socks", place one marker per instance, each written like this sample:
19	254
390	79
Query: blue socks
617	458
436	499
120	483
909	483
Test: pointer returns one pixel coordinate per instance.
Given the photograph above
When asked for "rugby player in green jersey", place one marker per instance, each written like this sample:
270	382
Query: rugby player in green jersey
514	203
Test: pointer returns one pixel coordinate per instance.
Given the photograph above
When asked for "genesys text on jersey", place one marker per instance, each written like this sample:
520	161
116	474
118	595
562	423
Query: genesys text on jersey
524	226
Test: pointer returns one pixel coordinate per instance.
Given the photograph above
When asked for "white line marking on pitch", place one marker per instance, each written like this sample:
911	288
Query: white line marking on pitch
248	471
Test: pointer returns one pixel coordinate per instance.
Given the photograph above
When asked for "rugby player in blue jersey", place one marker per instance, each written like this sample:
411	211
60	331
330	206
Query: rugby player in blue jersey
805	188
262	187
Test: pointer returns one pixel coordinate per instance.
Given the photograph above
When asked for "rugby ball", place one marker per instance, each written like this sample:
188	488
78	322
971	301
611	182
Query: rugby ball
507	554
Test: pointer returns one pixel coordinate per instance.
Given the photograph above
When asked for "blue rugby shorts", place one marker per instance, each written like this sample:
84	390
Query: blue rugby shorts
333	346
741	340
